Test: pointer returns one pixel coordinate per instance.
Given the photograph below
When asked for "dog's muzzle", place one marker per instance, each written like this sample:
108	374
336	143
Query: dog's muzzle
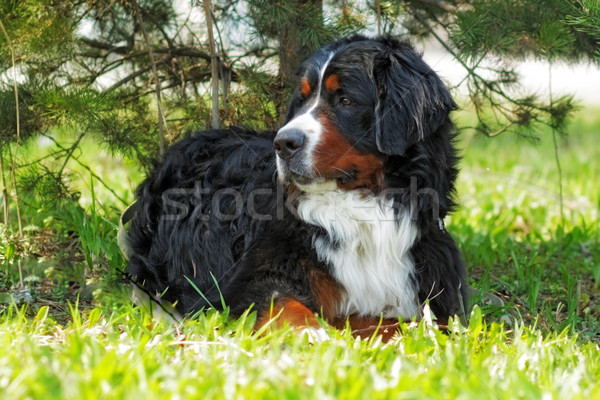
288	143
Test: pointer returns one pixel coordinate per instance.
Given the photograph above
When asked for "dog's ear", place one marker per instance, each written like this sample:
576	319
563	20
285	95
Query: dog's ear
412	100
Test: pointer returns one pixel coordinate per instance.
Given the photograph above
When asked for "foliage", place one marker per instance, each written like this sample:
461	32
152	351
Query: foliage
85	61
521	29
83	68
585	17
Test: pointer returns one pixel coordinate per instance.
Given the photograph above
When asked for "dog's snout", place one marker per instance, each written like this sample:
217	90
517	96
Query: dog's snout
288	142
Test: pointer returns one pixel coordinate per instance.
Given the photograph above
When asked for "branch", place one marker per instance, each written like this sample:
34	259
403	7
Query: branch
471	70
170	42
129	78
501	130
106	46
70	152
114	64
87	168
137	73
185	51
162	120
195	78
439	4
54	154
12	161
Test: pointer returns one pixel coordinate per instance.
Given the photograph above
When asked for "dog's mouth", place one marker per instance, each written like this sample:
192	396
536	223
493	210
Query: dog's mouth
299	177
309	179
309	184
292	177
293	171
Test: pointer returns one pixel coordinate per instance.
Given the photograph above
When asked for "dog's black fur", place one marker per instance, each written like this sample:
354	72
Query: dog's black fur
193	234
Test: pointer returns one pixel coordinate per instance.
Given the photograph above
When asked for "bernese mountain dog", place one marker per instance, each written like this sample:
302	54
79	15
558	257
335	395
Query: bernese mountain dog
338	214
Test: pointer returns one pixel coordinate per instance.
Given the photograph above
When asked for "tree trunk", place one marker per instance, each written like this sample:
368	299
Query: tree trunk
215	122
291	53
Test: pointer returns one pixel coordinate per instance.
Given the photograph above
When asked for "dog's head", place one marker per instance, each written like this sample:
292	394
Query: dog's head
358	102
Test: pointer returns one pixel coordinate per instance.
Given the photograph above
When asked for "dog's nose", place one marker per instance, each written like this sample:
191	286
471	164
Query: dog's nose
288	142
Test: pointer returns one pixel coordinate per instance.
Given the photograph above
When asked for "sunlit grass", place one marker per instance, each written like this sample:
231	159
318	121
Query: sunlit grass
518	177
510	228
126	354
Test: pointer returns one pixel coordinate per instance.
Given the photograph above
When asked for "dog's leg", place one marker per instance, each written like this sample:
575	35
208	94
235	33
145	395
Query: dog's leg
296	315
367	327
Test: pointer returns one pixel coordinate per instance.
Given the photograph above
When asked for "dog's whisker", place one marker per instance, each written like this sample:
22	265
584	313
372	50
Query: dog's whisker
342	171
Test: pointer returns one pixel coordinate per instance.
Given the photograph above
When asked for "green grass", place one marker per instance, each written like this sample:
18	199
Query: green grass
543	344
511	232
125	354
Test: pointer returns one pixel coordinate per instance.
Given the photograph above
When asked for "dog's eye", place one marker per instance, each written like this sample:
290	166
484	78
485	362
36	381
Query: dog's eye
344	101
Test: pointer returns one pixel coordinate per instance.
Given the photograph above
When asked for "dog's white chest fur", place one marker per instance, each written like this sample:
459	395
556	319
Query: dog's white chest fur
369	250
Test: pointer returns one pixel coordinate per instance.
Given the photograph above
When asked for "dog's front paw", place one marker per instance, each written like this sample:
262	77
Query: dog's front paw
315	335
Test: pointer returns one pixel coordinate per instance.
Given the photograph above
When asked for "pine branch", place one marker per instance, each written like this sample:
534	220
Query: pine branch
439	4
98	178
151	17
137	73
70	151
556	156
162	120
54	154
171	52
110	48
12	161
501	130
258	52
489	89
194	78
185	51
108	67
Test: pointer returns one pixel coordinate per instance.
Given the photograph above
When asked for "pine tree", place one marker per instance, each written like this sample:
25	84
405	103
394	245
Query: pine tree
84	67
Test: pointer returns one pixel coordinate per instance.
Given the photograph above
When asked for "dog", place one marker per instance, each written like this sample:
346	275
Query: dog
337	215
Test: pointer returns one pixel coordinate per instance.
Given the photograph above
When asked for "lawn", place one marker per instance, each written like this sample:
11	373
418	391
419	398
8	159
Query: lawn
86	340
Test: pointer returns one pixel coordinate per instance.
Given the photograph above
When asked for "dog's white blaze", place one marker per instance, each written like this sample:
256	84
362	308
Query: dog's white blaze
308	124
312	129
371	251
